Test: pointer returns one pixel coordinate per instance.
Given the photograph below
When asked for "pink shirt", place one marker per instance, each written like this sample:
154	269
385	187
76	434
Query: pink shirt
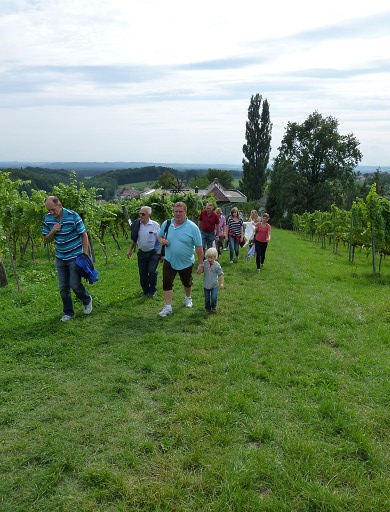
262	233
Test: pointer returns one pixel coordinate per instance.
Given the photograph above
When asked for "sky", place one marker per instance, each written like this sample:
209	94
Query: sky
171	80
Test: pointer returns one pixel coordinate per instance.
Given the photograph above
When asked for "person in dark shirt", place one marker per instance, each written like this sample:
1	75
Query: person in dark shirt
208	224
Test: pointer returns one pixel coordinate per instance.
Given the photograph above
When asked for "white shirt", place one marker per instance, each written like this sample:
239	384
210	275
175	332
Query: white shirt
147	236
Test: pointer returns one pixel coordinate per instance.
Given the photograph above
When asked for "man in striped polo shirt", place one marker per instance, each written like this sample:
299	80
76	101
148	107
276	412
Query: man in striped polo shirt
66	228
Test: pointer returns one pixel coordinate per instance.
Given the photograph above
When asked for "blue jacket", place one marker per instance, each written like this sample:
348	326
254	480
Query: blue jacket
86	268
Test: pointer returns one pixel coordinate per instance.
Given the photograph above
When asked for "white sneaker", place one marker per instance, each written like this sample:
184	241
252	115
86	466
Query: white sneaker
66	318
167	310
88	308
188	302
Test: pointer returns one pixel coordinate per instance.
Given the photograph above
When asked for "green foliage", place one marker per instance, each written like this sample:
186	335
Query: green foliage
366	225
225	178
313	169
38	178
109	182
21	215
200	182
381	180
257	148
167	180
76	196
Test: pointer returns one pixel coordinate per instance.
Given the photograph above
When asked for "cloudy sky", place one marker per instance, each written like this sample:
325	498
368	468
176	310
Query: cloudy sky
171	80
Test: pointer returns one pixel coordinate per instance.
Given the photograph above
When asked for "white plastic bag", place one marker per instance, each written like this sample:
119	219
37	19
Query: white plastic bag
251	252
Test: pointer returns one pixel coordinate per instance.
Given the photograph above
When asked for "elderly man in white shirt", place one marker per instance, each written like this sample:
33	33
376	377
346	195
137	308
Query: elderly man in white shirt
144	234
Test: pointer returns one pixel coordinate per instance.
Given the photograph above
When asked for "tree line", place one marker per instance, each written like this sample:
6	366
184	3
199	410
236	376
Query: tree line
40	178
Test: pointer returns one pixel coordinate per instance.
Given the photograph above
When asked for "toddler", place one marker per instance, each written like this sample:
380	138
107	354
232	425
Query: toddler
212	273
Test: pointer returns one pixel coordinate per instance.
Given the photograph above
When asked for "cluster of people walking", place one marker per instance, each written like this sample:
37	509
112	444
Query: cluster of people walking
176	243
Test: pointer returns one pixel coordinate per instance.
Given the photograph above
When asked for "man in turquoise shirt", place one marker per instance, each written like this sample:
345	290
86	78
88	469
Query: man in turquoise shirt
181	240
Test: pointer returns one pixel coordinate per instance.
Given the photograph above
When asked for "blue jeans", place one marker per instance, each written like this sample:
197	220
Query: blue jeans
207	239
234	246
70	279
147	268
210	298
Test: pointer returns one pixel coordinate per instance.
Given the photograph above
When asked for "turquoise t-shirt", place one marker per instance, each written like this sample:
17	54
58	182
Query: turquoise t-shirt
182	242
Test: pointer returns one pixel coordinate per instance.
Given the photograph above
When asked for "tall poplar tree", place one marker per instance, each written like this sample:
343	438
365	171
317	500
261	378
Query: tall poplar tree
257	148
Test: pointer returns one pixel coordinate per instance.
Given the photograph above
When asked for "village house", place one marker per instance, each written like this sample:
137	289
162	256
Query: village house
224	198
129	193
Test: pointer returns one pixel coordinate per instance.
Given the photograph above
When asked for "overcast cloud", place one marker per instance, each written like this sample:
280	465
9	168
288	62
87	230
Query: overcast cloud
147	80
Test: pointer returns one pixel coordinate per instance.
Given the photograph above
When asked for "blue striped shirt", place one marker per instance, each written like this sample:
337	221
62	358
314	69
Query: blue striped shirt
68	241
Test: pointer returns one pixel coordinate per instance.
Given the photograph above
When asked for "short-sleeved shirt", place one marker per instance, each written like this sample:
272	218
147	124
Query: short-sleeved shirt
222	224
182	242
208	223
210	274
235	226
262	233
147	236
68	241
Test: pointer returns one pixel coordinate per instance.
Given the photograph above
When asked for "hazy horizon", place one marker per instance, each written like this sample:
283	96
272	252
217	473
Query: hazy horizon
121	164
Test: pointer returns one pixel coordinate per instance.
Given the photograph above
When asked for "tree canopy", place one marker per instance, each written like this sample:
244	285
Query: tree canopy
313	170
257	148
225	178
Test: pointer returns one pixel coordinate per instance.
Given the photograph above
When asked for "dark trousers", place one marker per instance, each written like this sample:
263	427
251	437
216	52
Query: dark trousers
69	279
147	267
219	245
261	248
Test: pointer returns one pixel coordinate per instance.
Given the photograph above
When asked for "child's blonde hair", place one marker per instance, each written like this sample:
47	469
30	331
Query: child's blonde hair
212	253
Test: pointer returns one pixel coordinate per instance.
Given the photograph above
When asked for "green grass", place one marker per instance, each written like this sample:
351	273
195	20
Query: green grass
279	402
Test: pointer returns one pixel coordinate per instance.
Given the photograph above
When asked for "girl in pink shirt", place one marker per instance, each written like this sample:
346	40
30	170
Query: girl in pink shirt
262	237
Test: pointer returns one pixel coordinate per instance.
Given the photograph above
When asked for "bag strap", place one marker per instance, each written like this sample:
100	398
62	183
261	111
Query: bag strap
167	224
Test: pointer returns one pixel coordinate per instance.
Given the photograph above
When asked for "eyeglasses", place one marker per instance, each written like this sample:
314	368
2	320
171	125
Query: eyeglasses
143	213
179	211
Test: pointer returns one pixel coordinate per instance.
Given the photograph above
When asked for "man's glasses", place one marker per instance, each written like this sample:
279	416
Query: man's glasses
143	214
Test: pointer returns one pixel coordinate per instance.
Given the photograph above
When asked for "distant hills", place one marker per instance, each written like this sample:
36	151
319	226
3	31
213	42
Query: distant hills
108	176
105	176
93	168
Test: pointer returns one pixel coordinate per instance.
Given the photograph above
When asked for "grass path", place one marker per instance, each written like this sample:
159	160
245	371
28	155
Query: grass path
277	403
